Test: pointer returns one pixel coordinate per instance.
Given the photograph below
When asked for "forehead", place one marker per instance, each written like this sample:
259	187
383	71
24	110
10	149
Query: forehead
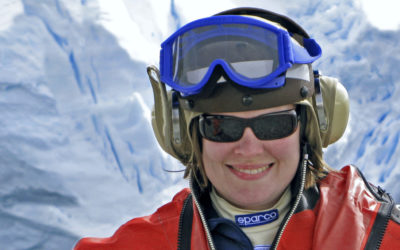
254	113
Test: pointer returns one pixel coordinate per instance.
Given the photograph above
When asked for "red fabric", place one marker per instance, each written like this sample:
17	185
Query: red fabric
299	233
199	238
392	236
157	231
347	219
342	219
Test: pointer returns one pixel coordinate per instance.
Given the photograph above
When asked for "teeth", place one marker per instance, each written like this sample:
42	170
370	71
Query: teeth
253	171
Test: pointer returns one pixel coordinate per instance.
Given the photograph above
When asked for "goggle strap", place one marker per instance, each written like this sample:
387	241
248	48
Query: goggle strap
312	47
307	54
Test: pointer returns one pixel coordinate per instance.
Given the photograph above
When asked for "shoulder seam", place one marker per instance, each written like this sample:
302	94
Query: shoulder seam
379	194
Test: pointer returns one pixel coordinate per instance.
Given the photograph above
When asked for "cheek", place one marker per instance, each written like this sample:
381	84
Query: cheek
287	149
214	151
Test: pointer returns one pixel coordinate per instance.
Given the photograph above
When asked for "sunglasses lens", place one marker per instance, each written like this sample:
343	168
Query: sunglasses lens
221	128
274	126
271	126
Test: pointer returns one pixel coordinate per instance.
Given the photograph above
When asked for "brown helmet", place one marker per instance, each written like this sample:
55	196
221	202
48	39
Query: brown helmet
324	99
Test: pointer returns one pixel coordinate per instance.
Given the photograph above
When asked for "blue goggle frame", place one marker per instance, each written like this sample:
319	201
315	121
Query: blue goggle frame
289	53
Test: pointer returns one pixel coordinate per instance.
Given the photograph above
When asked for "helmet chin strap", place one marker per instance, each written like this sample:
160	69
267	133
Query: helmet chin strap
176	130
303	122
304	145
323	124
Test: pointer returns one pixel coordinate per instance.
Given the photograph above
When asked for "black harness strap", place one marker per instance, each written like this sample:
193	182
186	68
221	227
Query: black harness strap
383	216
379	227
185	224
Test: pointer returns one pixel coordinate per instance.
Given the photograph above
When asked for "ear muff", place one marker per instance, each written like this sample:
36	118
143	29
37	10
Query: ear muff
161	113
336	106
168	119
335	114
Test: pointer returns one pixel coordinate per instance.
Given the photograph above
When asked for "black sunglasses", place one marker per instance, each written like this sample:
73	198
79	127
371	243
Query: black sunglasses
223	128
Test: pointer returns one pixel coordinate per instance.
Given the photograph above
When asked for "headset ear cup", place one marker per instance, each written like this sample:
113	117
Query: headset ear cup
183	148
336	107
160	115
162	122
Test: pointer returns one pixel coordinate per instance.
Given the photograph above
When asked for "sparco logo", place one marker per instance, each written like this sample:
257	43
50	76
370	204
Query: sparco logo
257	219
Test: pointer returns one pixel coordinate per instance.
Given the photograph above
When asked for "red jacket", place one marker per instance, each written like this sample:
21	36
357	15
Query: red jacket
346	213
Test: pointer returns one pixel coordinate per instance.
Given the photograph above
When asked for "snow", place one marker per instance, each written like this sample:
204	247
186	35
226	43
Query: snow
77	153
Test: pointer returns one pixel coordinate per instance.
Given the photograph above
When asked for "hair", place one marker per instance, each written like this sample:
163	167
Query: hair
317	168
194	166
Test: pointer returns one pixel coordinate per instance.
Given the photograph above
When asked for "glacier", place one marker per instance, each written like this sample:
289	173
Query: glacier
77	153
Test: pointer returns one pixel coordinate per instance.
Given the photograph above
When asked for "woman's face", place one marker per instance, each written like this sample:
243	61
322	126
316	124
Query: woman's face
252	173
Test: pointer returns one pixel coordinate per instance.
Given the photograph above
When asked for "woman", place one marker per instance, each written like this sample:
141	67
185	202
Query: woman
248	117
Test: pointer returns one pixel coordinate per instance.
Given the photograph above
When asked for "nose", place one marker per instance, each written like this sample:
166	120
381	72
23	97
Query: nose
249	145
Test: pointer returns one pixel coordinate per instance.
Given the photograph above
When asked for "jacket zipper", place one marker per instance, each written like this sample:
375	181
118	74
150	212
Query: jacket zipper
181	222
202	217
382	233
299	195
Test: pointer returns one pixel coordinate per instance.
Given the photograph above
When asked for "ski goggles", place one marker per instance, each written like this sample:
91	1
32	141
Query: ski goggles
253	53
272	126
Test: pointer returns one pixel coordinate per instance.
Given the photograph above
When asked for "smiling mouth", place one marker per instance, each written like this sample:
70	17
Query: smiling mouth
251	171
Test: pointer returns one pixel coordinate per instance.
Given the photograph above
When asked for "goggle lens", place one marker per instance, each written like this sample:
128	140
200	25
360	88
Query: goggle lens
272	126
251	52
255	52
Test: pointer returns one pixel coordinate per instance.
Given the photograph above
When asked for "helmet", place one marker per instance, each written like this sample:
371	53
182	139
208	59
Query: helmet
323	98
